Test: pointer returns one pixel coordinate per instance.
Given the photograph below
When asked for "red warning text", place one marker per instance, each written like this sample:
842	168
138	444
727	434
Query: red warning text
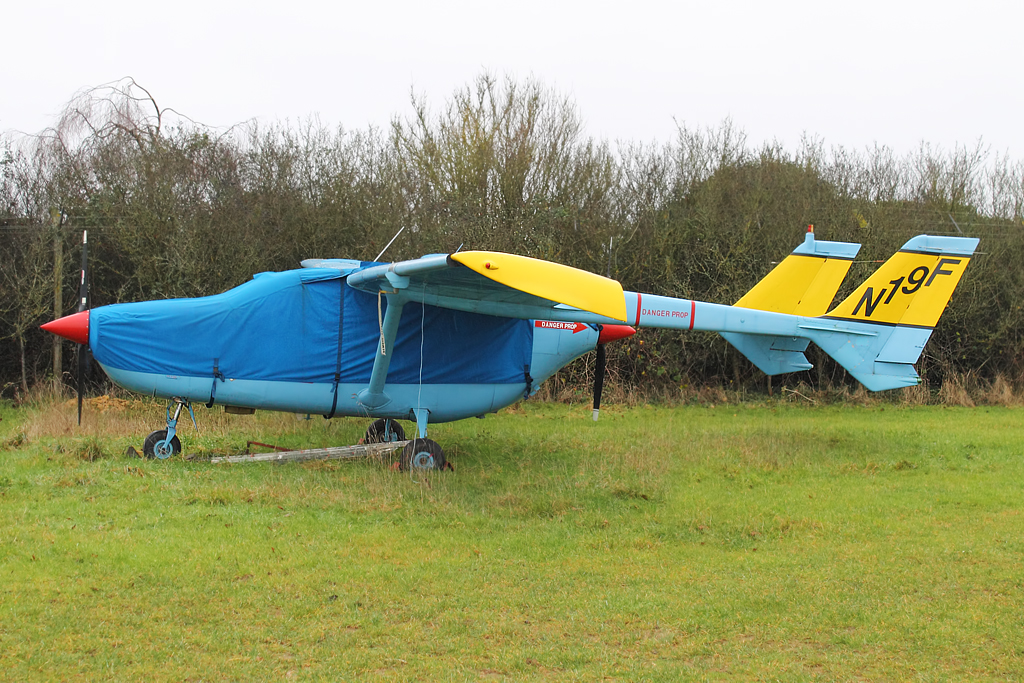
664	313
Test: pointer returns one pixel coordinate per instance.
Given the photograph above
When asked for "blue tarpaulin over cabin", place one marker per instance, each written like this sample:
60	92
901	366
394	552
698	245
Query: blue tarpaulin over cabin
284	327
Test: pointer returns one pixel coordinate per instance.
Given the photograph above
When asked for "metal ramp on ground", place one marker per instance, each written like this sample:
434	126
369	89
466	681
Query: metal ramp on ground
334	453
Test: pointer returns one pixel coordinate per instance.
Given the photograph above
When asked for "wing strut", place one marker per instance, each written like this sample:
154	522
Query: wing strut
373	396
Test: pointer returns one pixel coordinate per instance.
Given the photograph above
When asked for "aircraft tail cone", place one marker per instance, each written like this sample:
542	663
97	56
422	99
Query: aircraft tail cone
74	327
610	333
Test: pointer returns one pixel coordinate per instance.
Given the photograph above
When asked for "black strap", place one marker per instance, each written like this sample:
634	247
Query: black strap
217	375
337	364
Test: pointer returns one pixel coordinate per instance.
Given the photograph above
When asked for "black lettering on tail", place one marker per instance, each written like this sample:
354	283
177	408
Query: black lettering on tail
869	305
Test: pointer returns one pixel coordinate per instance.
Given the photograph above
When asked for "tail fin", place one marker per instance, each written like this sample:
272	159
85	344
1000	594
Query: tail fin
886	322
804	284
913	287
806	281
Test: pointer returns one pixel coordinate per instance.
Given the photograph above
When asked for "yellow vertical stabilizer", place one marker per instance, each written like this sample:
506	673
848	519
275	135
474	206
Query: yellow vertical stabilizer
806	282
913	286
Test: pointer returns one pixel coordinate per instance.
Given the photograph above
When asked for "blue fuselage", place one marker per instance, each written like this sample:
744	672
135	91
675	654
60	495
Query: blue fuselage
303	341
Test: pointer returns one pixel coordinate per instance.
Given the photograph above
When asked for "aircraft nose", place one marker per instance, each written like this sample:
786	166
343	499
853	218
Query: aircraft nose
74	327
612	332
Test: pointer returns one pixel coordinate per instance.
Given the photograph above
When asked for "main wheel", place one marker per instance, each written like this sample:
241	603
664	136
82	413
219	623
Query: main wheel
157	446
384	431
423	454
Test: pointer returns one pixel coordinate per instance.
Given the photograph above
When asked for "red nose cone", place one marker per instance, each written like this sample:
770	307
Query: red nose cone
74	327
612	332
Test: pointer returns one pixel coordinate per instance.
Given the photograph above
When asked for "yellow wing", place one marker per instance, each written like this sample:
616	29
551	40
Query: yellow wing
566	285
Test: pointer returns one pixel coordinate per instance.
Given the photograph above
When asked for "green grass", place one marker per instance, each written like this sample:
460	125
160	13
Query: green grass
736	542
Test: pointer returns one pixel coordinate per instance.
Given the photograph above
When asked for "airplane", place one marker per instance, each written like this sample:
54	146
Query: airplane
450	336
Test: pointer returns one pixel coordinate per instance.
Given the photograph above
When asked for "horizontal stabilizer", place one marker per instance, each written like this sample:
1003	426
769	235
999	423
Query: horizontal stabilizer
772	355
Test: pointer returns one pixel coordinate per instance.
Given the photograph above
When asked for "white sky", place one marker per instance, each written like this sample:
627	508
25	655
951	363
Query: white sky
864	71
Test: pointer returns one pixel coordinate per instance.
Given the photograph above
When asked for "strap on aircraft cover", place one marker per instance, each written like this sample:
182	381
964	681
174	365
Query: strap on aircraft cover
337	364
217	375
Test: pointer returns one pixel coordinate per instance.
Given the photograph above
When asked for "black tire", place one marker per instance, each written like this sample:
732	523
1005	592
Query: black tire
149	447
423	454
384	430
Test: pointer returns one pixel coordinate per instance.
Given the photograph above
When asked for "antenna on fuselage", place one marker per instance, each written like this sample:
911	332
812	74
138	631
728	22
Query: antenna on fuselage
389	243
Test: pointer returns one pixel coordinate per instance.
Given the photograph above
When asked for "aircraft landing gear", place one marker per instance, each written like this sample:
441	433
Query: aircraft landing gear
157	445
164	443
423	454
384	430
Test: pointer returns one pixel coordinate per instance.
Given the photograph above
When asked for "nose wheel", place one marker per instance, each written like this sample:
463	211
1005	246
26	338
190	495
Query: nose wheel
158	446
164	443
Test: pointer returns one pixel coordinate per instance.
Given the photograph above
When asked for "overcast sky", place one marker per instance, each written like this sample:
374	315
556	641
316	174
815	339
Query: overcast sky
852	74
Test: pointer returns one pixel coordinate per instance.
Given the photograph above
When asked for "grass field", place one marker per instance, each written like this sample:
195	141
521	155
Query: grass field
760	542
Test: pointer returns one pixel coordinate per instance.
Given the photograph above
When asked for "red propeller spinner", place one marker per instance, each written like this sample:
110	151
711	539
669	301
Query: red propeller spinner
74	327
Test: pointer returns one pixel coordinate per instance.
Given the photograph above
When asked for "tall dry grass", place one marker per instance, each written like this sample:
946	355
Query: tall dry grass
957	389
112	422
52	413
120	415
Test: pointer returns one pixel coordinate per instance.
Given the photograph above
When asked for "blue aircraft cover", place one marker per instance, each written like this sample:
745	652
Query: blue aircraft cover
285	327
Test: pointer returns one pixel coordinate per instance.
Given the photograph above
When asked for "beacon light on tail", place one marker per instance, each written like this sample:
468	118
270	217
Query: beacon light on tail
445	337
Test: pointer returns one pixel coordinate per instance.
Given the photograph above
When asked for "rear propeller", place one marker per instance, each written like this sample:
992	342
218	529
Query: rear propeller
607	334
